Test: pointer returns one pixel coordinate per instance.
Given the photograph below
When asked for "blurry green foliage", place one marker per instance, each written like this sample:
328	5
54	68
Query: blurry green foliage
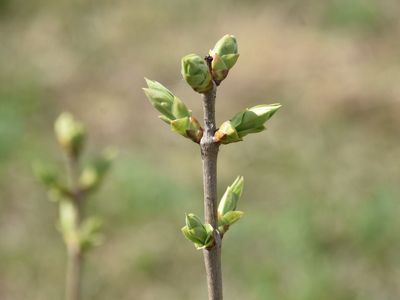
361	14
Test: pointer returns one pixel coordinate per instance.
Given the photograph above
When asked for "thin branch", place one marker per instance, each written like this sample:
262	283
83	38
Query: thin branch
209	154
75	259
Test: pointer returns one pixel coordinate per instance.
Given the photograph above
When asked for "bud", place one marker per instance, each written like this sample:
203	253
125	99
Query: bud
170	106
227	213
49	177
93	174
70	133
225	54
68	223
196	73
188	127
227	134
197	232
249	121
231	197
45	174
174	112
89	233
228	219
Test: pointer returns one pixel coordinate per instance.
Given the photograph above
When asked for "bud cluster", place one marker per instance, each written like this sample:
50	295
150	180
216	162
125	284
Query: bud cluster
202	234
200	76
70	135
173	111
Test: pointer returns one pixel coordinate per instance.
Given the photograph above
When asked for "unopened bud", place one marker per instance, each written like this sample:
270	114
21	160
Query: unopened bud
174	111
70	133
248	121
68	223
231	196
225	54
89	233
93	174
170	106
49	177
197	232
196	73
188	127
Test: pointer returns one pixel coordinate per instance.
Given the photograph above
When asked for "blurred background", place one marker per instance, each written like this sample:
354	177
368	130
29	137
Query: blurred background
321	199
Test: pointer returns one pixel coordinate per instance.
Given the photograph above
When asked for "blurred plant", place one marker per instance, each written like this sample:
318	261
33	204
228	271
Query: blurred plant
204	76
80	233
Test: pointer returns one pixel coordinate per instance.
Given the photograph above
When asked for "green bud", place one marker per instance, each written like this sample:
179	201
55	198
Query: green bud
68	223
196	73
228	219
174	112
248	121
193	221
188	127
225	54
70	133
93	174
170	106
46	175
227	213
231	197
49	177
197	232
227	134
89	233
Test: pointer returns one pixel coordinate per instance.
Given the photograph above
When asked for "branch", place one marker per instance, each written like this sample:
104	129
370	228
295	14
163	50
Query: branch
209	153
75	259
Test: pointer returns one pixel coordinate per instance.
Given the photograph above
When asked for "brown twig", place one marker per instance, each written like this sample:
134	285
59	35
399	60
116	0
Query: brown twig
209	154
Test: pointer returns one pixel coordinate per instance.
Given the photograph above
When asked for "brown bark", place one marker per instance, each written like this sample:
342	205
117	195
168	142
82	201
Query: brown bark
209	154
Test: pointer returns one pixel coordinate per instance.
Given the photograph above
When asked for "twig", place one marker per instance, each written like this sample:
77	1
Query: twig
209	154
75	258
